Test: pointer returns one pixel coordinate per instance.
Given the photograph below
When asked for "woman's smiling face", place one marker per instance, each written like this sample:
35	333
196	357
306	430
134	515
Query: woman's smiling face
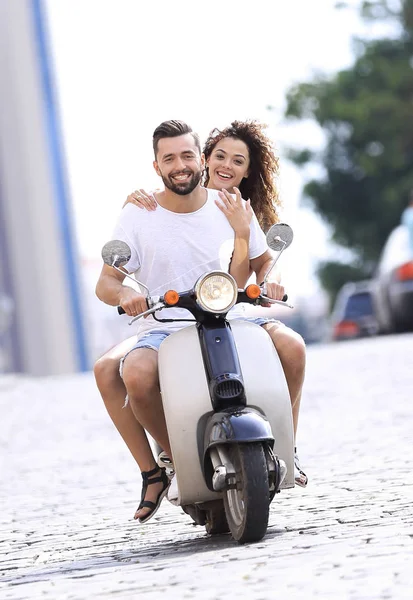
228	164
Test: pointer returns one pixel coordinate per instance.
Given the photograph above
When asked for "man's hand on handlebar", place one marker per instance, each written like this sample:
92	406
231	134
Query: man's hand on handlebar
132	302
275	291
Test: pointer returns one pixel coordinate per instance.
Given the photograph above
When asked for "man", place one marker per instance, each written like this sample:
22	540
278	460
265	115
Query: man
171	247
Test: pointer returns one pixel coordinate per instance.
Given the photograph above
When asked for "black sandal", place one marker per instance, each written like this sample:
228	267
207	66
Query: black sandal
145	482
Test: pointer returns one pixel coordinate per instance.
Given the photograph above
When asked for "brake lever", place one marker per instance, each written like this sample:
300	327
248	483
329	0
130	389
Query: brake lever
271	301
154	308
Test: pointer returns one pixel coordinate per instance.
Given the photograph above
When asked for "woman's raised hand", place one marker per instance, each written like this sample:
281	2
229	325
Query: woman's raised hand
141	199
238	213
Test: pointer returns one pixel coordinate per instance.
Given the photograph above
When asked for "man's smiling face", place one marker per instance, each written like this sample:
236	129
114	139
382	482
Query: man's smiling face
179	163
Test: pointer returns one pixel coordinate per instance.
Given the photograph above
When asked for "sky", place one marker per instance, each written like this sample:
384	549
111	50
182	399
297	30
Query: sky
123	66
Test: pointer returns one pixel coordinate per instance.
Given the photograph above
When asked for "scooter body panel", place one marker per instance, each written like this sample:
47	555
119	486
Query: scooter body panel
186	401
266	388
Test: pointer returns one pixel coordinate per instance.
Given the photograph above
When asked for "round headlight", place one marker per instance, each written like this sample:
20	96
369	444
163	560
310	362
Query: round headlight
216	292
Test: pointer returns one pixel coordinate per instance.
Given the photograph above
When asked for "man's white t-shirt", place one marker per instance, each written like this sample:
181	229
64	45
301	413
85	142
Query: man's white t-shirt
170	251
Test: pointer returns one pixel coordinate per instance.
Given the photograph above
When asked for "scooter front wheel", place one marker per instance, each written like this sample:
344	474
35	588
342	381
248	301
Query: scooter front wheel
247	502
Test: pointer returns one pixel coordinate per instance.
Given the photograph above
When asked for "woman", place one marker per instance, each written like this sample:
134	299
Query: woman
241	157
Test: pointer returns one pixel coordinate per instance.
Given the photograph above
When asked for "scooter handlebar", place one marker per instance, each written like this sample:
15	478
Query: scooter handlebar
122	312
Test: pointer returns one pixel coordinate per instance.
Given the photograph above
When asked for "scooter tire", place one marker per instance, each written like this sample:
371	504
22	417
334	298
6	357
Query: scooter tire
247	506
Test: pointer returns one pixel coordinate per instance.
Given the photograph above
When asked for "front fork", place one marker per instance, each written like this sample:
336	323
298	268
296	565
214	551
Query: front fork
224	476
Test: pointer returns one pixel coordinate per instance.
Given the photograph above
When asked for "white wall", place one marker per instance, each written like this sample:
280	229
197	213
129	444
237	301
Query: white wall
48	326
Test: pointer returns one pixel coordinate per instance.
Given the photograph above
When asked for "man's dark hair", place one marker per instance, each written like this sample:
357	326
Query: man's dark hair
173	128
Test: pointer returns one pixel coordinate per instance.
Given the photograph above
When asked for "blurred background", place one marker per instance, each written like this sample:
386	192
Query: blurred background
85	82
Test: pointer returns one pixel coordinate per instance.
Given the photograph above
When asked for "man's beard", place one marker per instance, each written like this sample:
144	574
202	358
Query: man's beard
185	188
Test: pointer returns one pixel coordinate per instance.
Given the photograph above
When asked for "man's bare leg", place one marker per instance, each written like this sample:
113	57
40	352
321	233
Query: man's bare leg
140	375
113	392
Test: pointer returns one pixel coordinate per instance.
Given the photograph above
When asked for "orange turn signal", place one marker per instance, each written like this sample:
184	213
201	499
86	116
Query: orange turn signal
253	291
171	297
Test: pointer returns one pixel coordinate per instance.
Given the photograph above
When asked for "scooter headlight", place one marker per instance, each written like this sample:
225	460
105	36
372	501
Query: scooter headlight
216	292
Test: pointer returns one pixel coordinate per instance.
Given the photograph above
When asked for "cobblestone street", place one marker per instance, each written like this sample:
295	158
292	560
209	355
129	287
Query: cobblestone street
69	490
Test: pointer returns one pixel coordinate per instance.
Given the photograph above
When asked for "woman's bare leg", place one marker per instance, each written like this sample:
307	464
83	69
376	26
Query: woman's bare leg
291	350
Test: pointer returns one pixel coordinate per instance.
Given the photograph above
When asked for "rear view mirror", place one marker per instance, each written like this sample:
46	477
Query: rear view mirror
116	253
279	236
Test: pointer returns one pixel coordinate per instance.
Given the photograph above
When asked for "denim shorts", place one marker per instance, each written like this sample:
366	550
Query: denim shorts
153	339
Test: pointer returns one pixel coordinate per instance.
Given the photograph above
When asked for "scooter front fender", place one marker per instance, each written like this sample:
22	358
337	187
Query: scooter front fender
237	425
234	426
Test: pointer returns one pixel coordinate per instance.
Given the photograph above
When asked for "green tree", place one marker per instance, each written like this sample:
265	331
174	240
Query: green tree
366	113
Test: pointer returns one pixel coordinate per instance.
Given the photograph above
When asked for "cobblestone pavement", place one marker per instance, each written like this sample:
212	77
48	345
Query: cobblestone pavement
69	489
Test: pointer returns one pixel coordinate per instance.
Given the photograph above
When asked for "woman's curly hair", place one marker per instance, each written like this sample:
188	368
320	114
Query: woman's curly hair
259	186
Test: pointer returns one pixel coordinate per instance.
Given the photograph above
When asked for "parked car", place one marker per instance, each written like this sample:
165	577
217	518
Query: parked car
394	278
354	314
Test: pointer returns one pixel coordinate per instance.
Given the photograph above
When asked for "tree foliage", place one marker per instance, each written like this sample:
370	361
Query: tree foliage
366	113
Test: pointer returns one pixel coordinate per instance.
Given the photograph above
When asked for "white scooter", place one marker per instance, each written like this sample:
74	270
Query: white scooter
226	401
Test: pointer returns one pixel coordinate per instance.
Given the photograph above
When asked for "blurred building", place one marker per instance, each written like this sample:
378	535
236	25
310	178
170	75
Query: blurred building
41	317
